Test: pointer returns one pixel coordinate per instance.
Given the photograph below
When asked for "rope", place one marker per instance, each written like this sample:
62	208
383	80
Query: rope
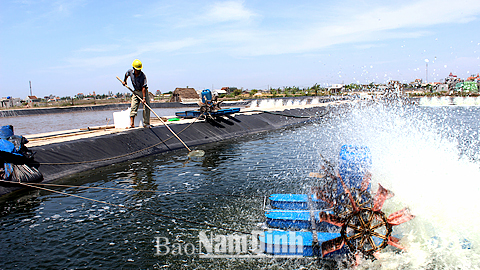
124	155
145	190
133	209
288	115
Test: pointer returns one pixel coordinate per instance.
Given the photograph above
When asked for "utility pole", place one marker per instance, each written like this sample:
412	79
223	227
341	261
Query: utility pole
30	88
426	70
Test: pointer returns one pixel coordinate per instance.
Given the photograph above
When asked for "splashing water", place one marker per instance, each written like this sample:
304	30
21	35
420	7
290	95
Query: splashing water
418	157
446	101
280	102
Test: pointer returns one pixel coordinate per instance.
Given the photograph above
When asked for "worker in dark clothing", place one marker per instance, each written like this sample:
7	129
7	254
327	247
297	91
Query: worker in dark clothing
139	82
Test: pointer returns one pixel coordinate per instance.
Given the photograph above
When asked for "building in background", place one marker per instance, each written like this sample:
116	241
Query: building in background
10	102
185	95
32	100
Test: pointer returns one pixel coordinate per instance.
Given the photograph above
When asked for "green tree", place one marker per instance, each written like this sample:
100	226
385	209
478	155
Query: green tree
315	89
273	92
253	92
295	89
237	92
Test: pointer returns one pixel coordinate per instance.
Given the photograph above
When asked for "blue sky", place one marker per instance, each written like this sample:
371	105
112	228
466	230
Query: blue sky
79	46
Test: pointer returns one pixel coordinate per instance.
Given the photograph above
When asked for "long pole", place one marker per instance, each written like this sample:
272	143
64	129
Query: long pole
146	105
30	88
426	72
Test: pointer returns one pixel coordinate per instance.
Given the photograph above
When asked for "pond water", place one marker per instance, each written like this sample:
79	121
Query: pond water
426	155
42	123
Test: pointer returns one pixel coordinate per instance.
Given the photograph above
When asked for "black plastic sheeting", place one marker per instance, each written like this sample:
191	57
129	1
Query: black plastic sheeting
59	160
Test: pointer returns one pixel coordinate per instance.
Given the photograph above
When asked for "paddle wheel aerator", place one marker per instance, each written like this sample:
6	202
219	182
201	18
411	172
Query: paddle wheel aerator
341	215
365	230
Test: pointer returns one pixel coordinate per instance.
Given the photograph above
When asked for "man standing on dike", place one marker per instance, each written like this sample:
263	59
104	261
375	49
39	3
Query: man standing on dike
139	82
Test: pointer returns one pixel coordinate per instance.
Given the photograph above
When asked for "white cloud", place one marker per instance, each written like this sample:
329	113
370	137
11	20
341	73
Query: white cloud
368	46
229	11
97	62
217	14
404	20
417	14
308	34
167	46
100	48
104	61
64	7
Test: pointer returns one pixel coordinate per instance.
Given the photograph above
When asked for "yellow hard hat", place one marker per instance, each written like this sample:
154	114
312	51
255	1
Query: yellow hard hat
137	64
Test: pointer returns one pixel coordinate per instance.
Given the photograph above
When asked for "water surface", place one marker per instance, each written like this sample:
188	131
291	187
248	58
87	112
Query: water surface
41	123
422	154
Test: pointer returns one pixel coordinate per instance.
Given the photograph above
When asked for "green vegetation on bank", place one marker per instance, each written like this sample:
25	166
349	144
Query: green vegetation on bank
235	94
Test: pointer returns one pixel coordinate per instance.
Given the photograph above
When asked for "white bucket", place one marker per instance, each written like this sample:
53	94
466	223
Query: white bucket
122	119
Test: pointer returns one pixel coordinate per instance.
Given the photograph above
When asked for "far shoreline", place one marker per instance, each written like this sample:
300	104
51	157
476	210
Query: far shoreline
99	107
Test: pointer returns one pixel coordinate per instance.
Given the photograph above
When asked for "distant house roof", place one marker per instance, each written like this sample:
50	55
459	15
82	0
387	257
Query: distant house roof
32	99
184	94
451	75
473	77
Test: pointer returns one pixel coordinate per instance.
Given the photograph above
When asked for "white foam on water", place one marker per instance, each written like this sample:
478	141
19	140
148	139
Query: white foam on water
449	101
424	169
279	102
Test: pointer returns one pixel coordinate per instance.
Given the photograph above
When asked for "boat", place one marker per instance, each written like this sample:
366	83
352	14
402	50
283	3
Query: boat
339	217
